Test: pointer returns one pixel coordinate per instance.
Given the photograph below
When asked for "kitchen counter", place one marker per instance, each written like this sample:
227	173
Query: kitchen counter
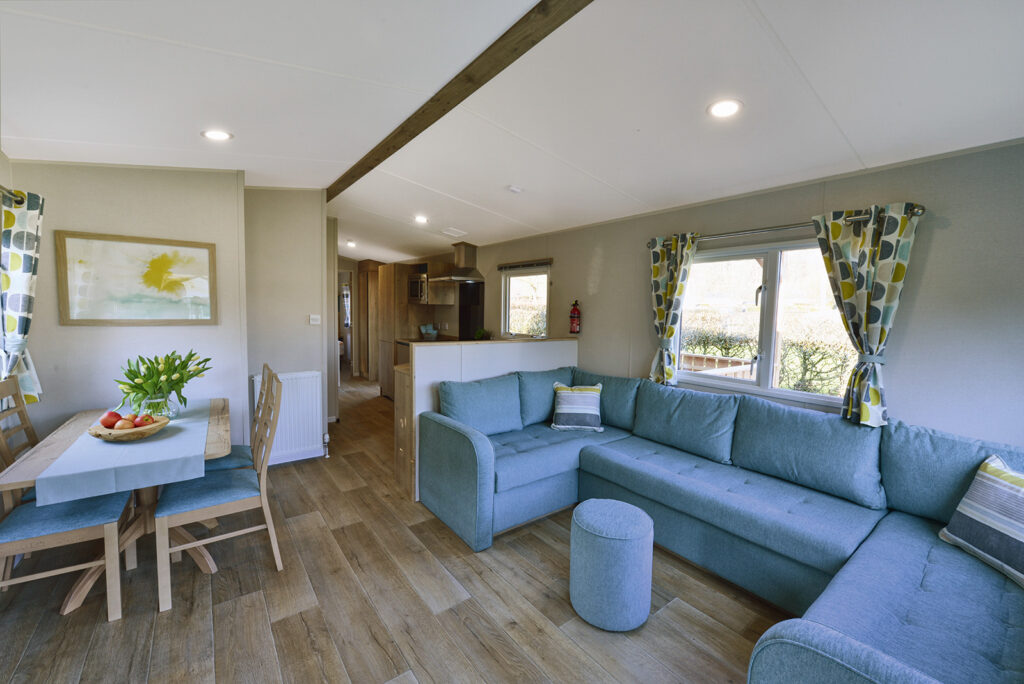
501	340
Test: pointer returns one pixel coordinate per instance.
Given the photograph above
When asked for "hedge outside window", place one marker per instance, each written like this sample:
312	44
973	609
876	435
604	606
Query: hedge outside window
524	301
764	317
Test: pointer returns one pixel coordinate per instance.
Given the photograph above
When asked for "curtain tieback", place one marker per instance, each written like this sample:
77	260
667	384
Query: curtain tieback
664	344
871	358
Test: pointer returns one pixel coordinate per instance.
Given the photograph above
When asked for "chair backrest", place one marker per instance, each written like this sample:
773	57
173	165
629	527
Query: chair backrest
258	409
267	428
12	407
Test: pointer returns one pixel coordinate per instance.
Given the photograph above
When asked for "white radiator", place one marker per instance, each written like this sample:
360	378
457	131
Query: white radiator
300	426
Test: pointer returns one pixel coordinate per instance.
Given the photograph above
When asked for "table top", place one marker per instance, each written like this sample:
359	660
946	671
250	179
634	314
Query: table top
23	472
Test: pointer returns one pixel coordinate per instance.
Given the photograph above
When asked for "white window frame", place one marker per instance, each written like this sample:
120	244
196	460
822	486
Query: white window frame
524	271
771	252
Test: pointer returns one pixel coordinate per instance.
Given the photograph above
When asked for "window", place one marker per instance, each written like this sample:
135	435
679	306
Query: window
765	319
524	299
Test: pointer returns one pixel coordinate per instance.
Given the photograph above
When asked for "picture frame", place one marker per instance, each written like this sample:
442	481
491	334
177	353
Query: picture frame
120	280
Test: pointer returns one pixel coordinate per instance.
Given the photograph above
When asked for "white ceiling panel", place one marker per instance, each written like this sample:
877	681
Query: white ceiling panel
622	92
309	86
407	44
394	200
605	118
911	78
466	157
382	239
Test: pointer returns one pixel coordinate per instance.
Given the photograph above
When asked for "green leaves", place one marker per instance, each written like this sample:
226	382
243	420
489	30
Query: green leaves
146	377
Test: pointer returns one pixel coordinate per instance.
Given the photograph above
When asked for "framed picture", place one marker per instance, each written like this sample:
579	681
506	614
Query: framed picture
121	280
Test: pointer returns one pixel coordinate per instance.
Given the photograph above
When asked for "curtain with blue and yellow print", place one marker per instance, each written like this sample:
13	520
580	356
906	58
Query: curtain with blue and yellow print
866	254
19	259
671	259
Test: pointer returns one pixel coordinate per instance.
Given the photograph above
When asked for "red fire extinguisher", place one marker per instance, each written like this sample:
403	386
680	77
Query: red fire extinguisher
574	317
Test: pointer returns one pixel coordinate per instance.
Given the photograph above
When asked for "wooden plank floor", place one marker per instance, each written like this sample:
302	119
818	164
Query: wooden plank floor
375	589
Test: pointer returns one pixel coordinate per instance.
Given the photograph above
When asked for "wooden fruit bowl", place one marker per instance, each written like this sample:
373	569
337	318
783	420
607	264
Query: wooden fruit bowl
129	434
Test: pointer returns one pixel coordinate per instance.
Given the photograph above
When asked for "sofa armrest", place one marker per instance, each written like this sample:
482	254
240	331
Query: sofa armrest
456	466
803	651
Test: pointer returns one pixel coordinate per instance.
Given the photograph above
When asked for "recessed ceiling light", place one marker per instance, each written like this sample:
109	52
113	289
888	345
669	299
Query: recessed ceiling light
420	218
724	108
514	188
219	136
351	243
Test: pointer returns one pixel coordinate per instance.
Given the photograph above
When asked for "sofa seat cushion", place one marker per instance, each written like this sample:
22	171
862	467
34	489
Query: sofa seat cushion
817	529
537	451
928	604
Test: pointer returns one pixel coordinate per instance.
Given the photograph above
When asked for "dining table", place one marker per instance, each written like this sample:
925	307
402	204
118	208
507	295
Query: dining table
71	464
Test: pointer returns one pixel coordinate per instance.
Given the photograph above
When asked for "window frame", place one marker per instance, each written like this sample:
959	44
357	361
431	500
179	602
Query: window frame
514	272
761	385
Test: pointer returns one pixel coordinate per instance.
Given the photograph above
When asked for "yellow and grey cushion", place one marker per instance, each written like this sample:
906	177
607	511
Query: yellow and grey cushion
989	522
577	408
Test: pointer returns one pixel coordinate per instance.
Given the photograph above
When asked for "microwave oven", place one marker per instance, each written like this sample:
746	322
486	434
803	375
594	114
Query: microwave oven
418	290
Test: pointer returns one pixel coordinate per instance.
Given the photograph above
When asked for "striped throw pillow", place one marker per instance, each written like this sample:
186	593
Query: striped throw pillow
989	522
577	408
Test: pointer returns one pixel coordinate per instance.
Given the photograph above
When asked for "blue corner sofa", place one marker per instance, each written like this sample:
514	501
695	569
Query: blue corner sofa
834	522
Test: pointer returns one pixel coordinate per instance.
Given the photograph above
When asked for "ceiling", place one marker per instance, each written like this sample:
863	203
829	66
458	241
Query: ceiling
605	118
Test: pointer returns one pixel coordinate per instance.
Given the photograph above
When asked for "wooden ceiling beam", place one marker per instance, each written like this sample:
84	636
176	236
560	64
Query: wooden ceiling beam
534	26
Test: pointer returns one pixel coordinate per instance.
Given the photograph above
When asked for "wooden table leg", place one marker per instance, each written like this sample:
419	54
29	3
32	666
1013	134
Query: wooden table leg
135	529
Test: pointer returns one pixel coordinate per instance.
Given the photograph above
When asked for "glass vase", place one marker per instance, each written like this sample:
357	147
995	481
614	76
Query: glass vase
160	405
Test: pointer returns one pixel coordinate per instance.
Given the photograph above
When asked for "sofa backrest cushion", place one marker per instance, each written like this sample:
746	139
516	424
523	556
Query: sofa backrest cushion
537	393
698	422
818	450
926	472
490	406
618	396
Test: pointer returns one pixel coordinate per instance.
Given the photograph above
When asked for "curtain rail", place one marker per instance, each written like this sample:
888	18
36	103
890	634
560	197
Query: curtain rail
918	211
17	199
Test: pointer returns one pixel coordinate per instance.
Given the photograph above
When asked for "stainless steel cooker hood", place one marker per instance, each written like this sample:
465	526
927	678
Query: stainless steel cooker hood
464	270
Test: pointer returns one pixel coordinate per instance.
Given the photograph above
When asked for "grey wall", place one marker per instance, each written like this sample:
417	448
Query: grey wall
77	364
954	360
285	248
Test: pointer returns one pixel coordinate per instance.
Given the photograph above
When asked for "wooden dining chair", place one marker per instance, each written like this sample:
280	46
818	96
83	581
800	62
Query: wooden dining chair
28	527
217	494
16	432
241	454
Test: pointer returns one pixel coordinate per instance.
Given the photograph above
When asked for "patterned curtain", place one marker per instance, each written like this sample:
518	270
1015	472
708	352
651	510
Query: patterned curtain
19	256
671	259
866	261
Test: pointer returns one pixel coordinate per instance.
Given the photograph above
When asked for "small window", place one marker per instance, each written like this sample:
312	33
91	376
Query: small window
524	297
764	318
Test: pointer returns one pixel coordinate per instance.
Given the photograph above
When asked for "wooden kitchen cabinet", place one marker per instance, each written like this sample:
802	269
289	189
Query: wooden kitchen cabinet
405	433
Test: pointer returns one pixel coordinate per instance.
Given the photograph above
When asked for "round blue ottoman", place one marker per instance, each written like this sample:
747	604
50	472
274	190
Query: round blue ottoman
611	549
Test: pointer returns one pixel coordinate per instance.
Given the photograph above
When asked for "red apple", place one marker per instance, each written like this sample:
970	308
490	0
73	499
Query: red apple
144	419
123	424
130	416
109	418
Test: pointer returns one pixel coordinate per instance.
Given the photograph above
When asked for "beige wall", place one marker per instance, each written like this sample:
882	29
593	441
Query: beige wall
5	171
953	360
285	241
77	364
